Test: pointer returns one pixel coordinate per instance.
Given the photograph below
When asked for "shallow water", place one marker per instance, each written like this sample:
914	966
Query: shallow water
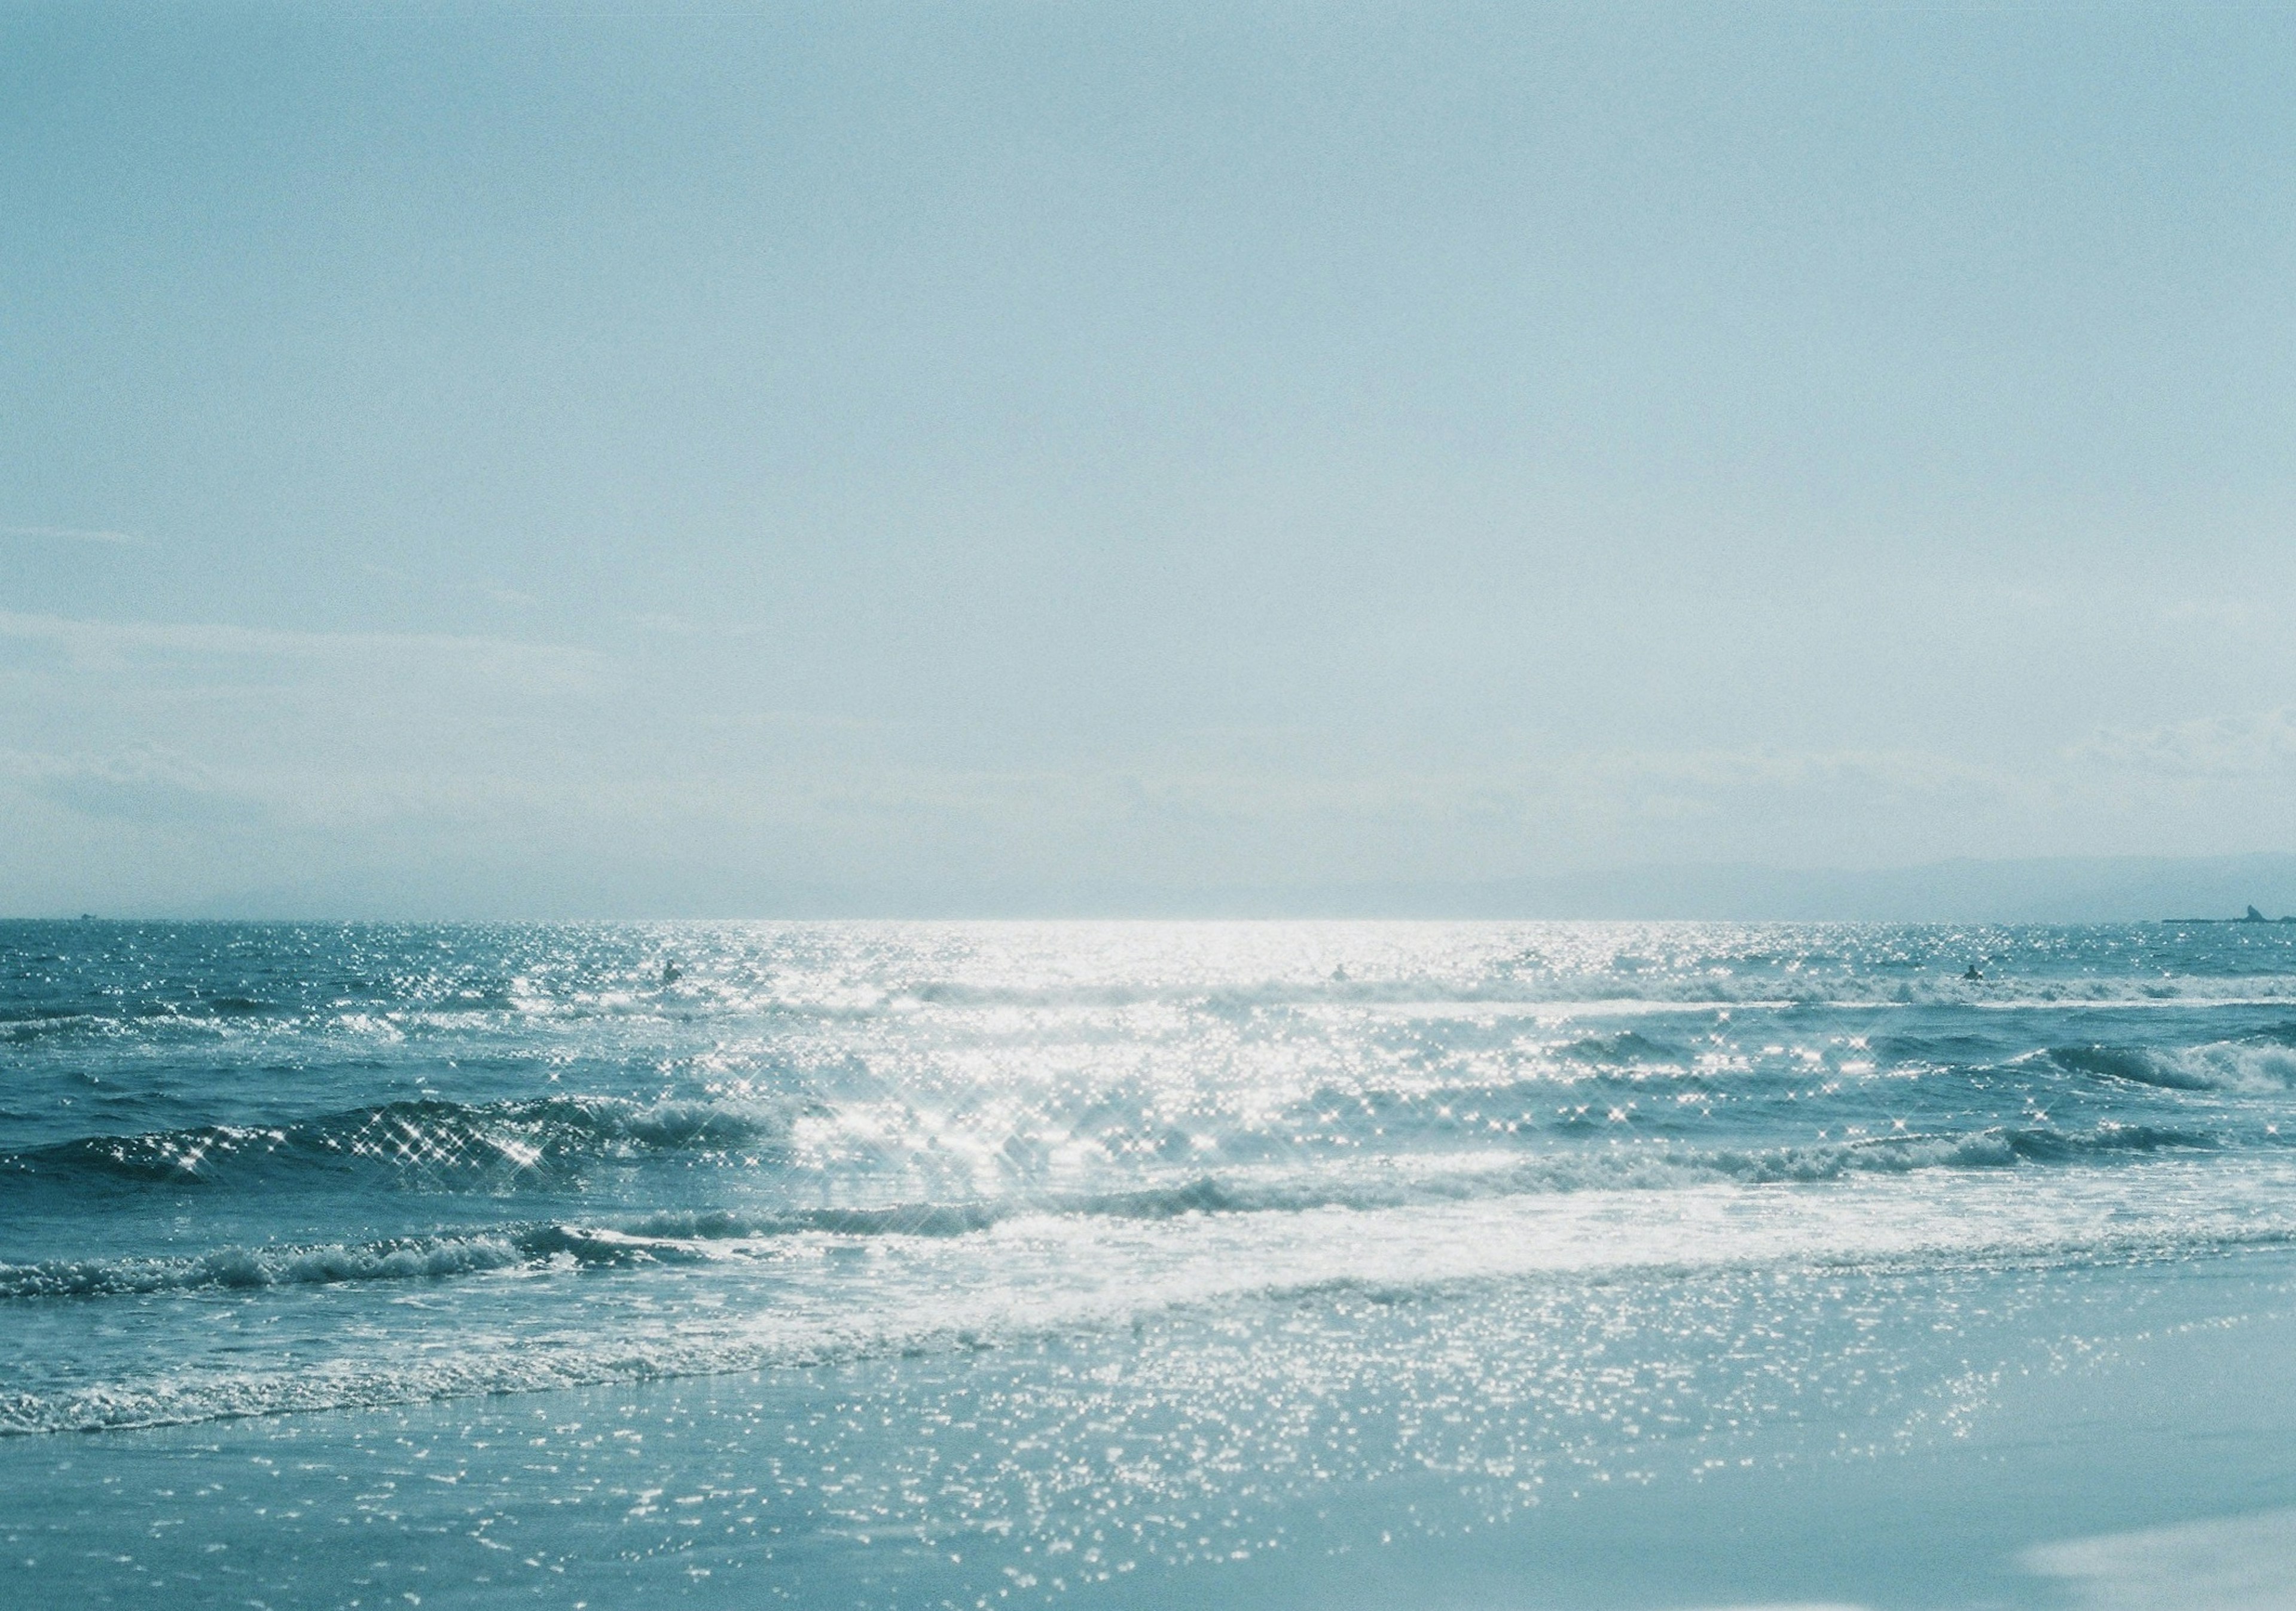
1654	1264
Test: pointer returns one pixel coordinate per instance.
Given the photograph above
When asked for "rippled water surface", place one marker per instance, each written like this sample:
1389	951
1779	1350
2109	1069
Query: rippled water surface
948	1264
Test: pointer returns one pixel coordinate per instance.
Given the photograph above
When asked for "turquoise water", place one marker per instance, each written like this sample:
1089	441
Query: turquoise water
1634	1265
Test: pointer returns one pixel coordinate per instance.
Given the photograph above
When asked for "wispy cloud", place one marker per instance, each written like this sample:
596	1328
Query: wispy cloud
73	534
666	625
1717	785
115	643
141	785
2243	744
663	624
510	596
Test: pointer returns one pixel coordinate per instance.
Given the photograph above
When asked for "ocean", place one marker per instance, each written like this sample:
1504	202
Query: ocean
1628	1265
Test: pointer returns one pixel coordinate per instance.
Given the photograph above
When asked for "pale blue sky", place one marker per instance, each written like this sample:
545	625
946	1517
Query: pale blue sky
506	459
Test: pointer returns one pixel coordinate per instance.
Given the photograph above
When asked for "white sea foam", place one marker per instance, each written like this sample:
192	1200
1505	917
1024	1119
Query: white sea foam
1047	1273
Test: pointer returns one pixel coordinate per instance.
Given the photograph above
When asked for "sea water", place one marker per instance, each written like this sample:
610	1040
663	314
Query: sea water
1147	1264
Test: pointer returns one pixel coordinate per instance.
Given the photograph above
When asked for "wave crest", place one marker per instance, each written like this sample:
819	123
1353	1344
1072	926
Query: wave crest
2256	1064
426	1133
691	1236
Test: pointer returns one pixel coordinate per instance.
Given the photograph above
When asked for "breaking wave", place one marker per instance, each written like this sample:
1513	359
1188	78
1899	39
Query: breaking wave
426	1133
2256	1064
816	1330
688	1236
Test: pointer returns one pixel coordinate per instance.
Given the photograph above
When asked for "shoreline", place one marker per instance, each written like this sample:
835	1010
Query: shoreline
2069	1466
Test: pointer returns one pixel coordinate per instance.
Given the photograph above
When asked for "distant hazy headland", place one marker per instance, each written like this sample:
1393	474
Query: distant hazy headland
2041	890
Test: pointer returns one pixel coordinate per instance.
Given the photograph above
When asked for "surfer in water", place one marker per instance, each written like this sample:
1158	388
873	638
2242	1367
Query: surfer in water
1973	973
669	972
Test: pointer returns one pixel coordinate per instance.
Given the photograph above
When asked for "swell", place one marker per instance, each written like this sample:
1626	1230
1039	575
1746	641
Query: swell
422	1134
1996	1146
2255	1065
1863	989
818	1335
666	1237
691	1236
388	1013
